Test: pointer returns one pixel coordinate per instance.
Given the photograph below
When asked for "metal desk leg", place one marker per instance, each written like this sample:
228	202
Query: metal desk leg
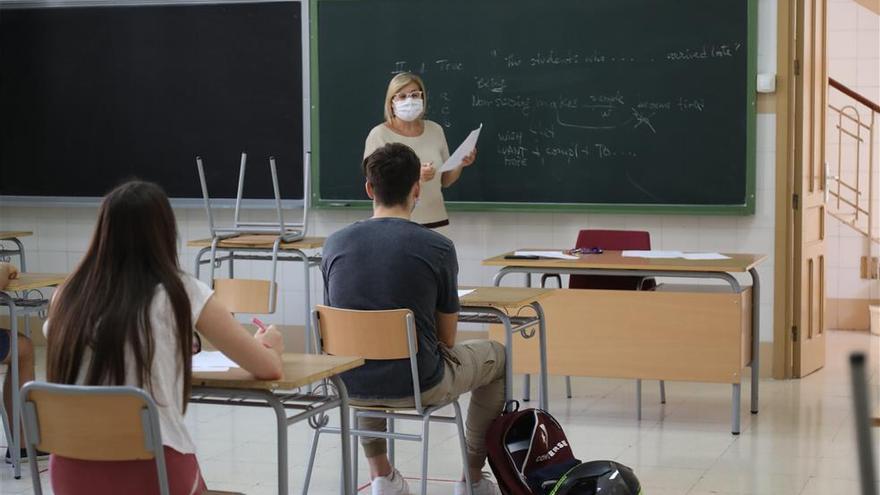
308	301
281	418
527	387
544	390
734	420
345	436
197	269
508	362
231	264
21	259
756	338
15	425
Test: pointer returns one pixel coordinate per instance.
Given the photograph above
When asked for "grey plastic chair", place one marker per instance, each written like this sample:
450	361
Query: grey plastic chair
381	335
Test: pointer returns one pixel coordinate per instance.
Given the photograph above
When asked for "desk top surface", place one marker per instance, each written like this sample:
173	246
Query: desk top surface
614	260
260	241
11	234
299	371
502	297
29	281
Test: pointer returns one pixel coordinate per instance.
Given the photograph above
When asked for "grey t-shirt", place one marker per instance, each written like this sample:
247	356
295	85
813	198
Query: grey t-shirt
391	263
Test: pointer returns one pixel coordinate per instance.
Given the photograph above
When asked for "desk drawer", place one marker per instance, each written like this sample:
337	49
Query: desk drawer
680	335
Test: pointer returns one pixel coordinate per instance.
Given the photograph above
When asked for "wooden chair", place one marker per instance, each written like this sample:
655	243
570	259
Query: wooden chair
244	295
609	240
381	335
93	424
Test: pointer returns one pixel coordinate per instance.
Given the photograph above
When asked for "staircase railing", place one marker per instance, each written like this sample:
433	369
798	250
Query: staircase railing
849	199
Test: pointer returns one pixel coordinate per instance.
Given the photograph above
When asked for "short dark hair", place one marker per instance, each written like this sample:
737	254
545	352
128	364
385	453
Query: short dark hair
392	170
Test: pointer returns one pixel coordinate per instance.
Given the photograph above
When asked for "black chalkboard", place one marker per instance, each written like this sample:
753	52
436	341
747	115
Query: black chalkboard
90	96
585	104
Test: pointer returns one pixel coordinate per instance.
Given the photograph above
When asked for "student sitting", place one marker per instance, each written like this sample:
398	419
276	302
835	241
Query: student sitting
126	316
25	358
389	262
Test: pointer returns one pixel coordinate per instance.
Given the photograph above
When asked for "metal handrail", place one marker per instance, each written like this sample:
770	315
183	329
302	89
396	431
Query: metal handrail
847	198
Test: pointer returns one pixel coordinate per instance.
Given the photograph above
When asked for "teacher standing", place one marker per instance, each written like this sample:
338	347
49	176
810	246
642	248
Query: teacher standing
405	104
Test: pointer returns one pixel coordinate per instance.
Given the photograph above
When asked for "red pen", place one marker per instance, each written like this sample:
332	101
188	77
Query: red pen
258	323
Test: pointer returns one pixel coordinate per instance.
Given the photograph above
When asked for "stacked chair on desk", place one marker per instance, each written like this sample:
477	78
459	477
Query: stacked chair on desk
609	240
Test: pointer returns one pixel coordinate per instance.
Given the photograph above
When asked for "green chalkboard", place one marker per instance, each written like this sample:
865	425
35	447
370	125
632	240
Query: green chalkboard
598	105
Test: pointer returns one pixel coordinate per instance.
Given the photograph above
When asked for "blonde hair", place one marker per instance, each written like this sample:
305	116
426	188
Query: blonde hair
396	84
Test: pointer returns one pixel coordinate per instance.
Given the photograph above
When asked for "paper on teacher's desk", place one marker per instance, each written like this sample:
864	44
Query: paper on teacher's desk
652	254
464	292
466	146
212	361
547	254
704	256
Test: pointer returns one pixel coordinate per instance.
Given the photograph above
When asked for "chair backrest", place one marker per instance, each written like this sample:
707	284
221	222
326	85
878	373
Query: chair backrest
378	335
91	423
612	240
244	295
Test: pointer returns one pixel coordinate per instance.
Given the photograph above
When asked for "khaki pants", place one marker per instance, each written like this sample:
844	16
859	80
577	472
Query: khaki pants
480	370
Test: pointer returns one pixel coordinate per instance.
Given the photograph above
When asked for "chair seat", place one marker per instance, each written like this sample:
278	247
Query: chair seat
400	409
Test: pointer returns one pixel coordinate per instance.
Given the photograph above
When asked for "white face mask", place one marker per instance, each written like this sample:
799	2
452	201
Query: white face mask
409	109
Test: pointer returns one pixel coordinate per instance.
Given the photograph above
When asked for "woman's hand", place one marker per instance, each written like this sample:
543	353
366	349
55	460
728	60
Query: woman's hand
428	172
469	159
270	338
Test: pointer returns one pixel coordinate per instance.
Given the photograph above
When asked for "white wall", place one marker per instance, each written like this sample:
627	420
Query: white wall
62	234
854	60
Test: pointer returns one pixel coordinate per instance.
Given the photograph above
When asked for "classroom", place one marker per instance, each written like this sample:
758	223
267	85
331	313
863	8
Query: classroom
420	246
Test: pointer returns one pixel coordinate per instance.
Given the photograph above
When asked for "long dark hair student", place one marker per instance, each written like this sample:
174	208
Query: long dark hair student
105	303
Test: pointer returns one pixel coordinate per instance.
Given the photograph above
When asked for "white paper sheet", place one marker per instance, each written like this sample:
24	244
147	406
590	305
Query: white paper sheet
466	146
705	256
547	254
653	254
212	361
464	292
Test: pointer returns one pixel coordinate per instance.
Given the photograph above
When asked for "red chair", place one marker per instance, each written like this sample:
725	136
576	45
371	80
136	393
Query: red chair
611	240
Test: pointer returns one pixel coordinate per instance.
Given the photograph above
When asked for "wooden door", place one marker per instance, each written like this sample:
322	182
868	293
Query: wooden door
808	202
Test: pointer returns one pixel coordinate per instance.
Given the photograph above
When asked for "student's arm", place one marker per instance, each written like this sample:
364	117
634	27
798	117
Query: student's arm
260	354
446	314
447	327
8	272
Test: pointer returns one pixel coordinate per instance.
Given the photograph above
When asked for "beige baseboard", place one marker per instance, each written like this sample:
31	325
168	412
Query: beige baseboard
848	314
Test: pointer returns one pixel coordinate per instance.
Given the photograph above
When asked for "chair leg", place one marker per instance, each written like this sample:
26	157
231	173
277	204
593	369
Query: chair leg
527	387
468	483
355	450
662	392
426	426
5	419
639	399
313	450
568	387
390	441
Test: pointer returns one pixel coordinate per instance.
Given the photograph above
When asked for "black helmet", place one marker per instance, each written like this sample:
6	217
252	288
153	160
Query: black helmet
598	478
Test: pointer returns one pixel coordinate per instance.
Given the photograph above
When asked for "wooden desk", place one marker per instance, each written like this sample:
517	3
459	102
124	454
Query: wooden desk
13	236
16	298
31	281
237	387
502	305
740	349
262	247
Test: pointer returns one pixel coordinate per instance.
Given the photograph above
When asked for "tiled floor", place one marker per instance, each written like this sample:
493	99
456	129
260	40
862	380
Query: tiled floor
801	443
